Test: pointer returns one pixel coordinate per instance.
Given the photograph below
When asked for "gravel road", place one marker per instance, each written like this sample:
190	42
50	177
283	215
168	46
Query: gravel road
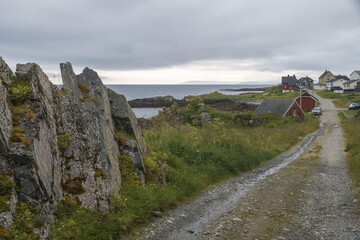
304	193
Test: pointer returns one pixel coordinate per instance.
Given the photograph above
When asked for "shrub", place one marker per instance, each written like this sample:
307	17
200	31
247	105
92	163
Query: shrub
64	141
20	88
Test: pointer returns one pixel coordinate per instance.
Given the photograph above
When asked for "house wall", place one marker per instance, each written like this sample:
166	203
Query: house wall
338	83
350	85
299	113
307	103
319	87
354	76
287	88
326	78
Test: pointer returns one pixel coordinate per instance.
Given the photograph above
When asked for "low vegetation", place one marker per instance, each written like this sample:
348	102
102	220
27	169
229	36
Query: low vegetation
25	220
183	160
20	88
65	140
352	139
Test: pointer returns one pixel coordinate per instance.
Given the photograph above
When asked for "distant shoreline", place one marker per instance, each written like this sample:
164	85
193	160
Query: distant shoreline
245	89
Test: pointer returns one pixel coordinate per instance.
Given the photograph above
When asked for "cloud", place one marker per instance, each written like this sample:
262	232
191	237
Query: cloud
126	35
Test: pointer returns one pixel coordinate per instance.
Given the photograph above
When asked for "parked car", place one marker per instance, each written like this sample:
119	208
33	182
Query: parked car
354	106
316	111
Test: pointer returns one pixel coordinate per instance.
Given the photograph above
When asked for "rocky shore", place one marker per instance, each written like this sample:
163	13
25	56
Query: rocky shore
220	104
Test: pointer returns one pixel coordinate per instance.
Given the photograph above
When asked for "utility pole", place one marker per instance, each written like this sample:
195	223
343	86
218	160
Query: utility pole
300	94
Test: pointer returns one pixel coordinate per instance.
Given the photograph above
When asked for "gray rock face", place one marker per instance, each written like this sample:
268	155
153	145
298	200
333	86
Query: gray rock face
64	144
5	112
125	119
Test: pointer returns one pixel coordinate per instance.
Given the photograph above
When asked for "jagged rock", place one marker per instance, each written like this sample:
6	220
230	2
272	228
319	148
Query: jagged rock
87	116
5	112
65	143
125	119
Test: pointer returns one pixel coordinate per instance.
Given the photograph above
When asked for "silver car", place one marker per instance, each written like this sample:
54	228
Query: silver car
316	111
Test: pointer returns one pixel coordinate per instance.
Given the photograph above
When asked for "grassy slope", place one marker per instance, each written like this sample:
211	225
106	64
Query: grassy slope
340	100
352	139
193	158
270	93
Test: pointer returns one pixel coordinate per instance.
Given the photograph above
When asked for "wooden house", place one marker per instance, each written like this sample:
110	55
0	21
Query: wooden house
289	83
326	76
282	107
307	101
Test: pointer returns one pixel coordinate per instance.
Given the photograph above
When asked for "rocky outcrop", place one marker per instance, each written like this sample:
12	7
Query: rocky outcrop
61	144
5	113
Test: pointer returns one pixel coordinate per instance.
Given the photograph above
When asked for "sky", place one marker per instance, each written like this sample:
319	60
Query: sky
172	42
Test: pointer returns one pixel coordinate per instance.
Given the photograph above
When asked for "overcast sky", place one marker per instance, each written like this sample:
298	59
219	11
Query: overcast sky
165	41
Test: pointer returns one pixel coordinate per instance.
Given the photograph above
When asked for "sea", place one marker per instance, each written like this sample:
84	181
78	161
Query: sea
132	92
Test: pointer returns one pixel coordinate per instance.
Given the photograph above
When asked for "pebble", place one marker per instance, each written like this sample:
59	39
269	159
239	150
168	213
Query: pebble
237	219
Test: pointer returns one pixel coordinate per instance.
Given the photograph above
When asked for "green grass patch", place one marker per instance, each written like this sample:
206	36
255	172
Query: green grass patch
352	147
340	100
252	96
351	112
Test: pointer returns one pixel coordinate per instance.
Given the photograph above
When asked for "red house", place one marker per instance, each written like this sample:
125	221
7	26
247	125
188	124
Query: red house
307	101
288	83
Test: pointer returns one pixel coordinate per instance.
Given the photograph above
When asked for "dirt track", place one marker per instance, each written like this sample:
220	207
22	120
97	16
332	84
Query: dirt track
302	194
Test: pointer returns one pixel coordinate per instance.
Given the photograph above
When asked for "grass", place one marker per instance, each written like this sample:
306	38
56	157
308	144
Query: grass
274	92
340	100
189	158
18	136
352	141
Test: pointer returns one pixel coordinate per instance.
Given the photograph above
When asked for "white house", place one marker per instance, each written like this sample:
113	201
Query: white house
319	86
355	75
336	84
350	84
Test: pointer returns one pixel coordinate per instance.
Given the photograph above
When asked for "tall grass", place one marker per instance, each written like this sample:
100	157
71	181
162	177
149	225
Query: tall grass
352	139
189	158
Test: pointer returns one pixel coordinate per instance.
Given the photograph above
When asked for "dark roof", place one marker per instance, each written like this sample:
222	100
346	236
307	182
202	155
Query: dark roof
290	80
306	79
306	94
358	72
323	75
342	76
351	81
338	78
278	106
